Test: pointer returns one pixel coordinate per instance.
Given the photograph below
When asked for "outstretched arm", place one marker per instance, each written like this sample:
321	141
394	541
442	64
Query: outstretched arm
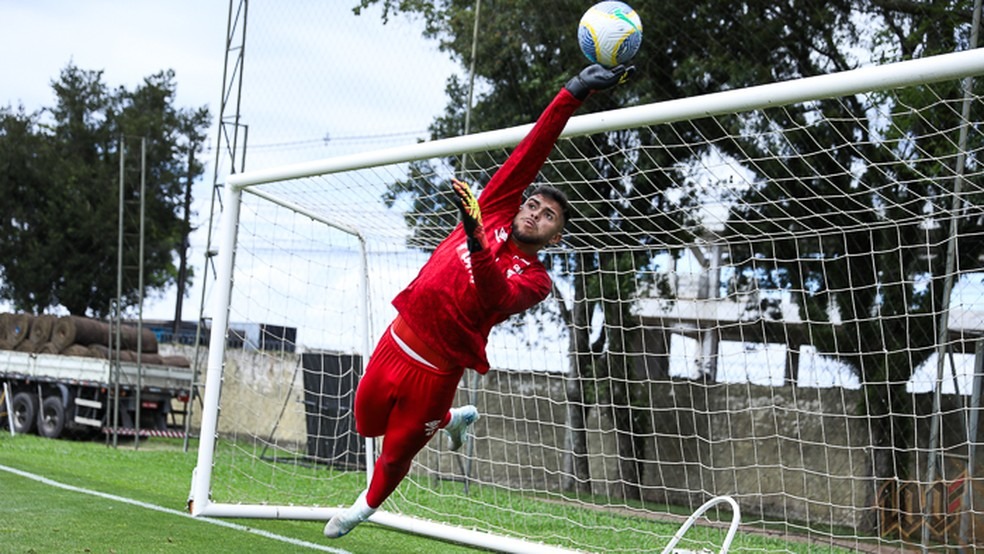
505	190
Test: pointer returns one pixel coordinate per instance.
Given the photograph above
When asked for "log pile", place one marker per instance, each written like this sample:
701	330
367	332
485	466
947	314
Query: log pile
81	336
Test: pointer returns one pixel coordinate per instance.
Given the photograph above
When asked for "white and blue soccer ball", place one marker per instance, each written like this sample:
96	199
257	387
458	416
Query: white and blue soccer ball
610	33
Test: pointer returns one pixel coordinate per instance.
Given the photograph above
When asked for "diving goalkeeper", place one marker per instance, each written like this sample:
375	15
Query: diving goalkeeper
486	270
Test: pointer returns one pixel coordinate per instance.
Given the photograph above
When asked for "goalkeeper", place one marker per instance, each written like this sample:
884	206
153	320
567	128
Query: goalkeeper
486	270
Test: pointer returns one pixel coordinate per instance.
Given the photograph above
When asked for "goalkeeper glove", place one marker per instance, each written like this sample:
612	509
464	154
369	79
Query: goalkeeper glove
471	216
598	77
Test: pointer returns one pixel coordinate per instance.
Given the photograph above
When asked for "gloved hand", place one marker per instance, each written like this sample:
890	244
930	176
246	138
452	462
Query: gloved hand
598	77
471	216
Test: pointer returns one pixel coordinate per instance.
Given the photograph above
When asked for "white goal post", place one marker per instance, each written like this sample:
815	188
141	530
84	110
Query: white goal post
289	233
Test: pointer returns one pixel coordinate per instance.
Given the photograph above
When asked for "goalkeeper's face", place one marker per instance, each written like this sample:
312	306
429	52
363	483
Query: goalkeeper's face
538	223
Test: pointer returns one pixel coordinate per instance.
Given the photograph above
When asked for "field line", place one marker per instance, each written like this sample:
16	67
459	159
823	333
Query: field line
132	502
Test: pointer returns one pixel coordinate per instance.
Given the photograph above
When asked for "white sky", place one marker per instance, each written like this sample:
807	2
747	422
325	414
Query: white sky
311	69
41	37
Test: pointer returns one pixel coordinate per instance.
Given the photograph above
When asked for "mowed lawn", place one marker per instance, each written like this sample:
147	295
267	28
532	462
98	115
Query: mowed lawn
38	517
64	496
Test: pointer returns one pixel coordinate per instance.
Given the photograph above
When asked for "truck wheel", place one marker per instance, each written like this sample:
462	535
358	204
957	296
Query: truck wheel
25	412
52	421
154	419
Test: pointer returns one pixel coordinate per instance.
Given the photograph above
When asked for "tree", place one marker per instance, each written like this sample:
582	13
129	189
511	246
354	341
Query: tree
527	49
60	181
884	280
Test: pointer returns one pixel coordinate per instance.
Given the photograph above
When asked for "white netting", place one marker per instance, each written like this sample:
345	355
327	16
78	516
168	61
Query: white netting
738	311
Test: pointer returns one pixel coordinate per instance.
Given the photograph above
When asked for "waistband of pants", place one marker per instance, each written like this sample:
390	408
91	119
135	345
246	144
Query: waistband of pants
406	334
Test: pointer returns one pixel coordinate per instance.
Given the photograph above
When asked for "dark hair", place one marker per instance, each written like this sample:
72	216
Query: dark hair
557	196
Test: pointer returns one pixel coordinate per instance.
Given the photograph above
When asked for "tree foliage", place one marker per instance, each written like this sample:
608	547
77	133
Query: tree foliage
874	291
525	51
60	175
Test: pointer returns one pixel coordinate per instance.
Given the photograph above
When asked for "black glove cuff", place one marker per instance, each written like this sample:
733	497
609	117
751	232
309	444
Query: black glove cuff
578	88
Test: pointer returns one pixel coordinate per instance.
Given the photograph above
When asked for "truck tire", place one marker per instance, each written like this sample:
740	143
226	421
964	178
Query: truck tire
154	419
52	420
25	412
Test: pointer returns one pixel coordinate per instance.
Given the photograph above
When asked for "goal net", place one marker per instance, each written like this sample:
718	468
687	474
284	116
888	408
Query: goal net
772	295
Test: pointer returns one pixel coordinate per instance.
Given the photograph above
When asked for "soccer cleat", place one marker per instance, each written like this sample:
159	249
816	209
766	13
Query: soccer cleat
461	419
346	520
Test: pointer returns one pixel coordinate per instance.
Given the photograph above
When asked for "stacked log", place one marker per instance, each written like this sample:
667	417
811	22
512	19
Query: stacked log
175	361
97	351
16	329
79	330
40	334
81	336
76	350
4	345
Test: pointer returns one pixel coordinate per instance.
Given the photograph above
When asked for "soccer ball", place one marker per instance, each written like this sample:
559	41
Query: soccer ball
610	33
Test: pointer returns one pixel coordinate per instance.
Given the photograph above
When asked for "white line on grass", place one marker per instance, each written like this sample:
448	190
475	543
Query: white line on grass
260	532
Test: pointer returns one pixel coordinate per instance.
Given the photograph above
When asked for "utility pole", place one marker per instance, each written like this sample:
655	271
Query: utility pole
183	252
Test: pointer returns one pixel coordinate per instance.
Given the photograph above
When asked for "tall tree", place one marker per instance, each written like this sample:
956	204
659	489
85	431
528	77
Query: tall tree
525	51
873	292
61	182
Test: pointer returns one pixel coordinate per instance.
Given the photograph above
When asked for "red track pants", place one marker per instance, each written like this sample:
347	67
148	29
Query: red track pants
405	402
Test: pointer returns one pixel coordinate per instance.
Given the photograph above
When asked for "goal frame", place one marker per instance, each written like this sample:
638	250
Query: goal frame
871	78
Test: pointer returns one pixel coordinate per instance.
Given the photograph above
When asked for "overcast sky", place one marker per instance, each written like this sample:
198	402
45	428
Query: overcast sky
328	56
312	70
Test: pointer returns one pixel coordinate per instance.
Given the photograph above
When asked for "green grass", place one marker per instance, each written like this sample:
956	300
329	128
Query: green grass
36	517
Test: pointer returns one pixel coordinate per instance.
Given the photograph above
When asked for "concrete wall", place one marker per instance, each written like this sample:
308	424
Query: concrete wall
262	395
786	454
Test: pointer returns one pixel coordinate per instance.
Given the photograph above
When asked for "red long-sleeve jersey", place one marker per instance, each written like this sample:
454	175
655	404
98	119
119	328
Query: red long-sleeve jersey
458	297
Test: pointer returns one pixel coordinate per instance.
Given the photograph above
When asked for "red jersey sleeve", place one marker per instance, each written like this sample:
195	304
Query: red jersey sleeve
457	298
508	292
505	189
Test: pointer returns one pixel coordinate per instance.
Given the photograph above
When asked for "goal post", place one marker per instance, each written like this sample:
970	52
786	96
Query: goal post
869	78
597	430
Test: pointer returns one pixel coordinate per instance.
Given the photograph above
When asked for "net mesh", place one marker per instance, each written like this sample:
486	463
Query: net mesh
741	307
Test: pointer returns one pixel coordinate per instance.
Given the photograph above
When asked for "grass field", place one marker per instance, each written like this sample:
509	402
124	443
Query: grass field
40	518
67	496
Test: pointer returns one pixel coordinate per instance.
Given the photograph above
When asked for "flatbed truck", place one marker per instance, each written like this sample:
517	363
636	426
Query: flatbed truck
55	395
